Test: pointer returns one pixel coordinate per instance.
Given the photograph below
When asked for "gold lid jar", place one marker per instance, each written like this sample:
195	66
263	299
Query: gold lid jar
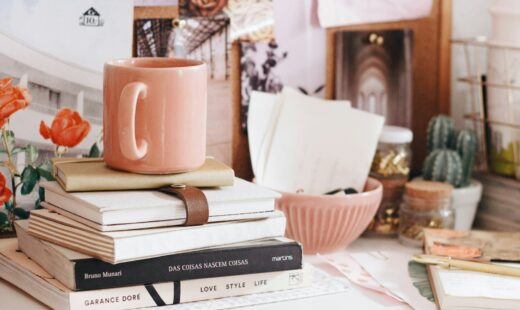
391	166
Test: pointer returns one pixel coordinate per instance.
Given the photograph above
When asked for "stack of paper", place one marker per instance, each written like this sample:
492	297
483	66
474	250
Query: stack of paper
300	143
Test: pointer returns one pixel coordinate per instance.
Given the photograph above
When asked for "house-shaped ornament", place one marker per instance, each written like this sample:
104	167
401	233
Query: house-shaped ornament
91	17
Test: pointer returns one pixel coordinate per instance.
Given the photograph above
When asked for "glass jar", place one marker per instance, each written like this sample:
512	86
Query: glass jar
391	166
393	156
426	204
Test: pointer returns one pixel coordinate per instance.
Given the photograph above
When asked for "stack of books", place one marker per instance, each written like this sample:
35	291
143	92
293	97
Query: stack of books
107	240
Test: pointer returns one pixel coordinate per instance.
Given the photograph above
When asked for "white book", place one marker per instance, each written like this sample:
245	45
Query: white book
122	246
24	273
108	209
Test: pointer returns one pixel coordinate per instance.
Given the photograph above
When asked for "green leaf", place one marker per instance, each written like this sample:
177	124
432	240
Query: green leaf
30	177
8	205
31	154
3	218
21	213
45	171
17	150
41	193
94	151
37	204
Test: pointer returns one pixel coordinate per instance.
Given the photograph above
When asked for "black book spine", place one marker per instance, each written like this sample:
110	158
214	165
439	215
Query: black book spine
93	274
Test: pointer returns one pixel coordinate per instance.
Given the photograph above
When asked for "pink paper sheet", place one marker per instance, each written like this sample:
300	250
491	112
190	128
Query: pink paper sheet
353	271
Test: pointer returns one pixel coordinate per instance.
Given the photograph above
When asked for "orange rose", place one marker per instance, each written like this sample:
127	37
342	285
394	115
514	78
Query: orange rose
5	193
67	129
12	99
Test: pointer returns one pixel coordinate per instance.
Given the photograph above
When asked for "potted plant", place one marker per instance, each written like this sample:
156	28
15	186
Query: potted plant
451	159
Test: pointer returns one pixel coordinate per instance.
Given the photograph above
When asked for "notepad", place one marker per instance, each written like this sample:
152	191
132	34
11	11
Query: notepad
461	289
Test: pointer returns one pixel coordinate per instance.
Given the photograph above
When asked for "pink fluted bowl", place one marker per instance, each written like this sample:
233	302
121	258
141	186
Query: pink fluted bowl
325	223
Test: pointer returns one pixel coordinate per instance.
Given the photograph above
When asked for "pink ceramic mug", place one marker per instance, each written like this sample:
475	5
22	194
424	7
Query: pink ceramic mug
154	118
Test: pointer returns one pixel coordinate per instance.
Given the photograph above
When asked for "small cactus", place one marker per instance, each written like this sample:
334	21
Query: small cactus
467	147
440	133
443	165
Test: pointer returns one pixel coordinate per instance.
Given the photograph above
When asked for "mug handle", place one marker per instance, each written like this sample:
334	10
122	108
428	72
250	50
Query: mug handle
130	148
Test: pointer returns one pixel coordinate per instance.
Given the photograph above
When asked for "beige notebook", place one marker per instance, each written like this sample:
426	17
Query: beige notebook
87	174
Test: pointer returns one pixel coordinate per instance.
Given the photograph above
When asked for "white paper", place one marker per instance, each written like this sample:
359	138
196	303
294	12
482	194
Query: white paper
261	123
462	283
332	13
259	120
391	270
318	147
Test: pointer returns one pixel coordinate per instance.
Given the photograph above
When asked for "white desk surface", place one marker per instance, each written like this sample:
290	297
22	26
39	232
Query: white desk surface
14	298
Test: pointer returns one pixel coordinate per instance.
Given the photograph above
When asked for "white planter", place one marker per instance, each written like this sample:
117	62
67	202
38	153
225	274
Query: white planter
465	202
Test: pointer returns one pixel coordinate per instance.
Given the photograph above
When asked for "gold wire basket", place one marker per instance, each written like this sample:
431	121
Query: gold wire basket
493	102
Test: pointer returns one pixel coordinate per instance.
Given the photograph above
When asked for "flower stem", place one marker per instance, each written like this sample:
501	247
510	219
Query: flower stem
12	171
7	149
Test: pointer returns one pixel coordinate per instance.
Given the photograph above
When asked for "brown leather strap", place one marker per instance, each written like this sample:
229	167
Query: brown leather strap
197	211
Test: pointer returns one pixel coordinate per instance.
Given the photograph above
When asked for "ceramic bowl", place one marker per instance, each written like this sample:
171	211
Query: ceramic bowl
325	223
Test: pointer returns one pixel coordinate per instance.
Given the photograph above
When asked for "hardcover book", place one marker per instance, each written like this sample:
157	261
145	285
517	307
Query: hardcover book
82	272
21	271
124	246
123	210
87	174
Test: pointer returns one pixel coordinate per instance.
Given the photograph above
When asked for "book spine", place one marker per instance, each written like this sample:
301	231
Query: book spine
95	274
161	294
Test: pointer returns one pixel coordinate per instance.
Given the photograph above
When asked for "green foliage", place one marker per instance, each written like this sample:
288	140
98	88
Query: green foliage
21	213
45	171
41	197
443	165
94	151
467	147
440	133
9	205
31	154
30	177
3	218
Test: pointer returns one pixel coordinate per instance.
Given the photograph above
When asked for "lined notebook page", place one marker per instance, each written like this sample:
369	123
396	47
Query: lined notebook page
460	283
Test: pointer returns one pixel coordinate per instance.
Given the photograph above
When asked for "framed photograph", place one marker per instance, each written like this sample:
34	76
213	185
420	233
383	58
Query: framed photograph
374	72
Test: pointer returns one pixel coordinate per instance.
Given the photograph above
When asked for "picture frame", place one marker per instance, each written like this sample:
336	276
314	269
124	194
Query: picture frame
431	79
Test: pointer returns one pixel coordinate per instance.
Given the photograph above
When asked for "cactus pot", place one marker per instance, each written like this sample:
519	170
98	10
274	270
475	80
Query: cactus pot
465	202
